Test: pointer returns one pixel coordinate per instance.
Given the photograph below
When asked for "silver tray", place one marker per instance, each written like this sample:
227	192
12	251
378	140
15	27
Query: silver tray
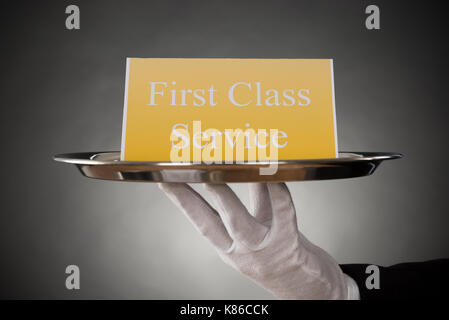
107	166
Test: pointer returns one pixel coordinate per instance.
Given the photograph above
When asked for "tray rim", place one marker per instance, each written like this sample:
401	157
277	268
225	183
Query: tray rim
84	158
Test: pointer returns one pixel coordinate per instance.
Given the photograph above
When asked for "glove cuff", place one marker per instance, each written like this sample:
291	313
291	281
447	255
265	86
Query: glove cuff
353	289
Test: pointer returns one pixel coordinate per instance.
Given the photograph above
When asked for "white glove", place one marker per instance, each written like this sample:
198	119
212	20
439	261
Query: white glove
265	246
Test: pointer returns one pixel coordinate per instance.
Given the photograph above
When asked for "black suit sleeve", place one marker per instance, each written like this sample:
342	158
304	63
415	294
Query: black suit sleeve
417	280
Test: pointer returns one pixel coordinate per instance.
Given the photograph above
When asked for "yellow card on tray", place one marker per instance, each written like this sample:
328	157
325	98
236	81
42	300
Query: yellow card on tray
227	110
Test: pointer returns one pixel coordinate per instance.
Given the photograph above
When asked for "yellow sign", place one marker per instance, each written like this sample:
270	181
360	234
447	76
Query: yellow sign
212	110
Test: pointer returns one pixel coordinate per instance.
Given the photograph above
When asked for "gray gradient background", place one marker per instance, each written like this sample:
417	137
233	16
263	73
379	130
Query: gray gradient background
62	91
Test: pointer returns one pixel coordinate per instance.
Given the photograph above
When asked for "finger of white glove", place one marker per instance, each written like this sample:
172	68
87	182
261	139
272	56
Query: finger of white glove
259	201
242	227
284	214
199	212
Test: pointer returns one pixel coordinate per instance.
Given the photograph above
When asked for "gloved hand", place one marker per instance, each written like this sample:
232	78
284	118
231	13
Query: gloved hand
265	246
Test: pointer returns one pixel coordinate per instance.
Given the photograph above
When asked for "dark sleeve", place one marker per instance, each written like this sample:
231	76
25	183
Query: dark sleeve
416	280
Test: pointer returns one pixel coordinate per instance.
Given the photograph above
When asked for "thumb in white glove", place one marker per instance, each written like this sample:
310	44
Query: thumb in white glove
266	246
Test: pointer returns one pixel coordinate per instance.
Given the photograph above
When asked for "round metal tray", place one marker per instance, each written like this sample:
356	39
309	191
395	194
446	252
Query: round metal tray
107	166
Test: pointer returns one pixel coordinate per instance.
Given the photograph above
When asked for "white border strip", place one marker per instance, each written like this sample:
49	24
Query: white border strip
125	110
333	108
